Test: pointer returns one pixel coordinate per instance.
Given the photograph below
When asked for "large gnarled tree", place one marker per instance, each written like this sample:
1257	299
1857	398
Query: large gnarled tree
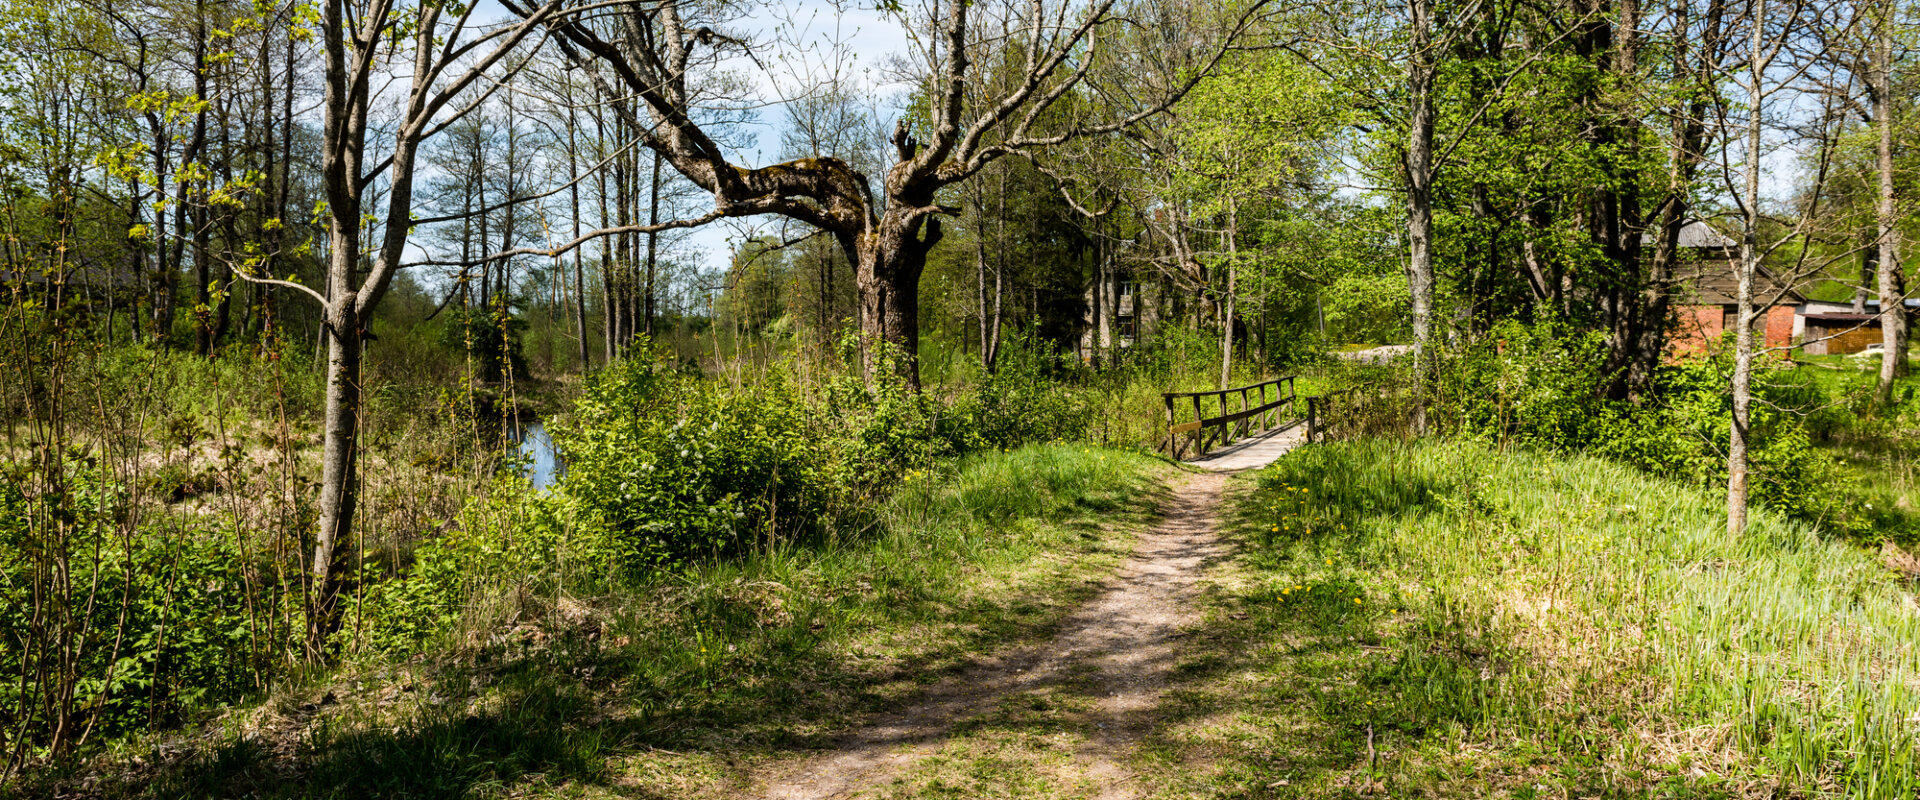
648	51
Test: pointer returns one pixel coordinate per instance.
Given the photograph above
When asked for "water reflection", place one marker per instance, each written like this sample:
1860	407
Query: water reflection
540	461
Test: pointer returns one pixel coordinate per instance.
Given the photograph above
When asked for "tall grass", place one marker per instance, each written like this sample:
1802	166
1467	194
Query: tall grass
1610	608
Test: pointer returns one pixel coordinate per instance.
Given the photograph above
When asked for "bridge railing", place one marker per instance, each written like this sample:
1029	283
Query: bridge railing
1369	409
1260	404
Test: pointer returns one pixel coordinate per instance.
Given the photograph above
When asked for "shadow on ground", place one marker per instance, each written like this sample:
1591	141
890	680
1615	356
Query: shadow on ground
559	718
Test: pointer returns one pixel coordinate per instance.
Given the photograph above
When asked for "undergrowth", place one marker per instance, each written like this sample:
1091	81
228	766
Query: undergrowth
545	685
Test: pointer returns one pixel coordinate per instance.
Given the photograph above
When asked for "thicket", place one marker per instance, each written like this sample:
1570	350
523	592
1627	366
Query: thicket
156	519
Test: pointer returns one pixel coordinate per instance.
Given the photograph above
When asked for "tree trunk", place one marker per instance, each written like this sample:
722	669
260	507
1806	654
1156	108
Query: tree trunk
1743	347
887	270
197	213
1869	271
1419	170
339	478
653	242
1893	311
980	279
579	255
1226	306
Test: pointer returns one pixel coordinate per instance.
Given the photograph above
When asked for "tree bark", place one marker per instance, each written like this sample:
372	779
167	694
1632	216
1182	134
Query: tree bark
1893	311
579	256
653	243
1227	303
1419	172
1743	348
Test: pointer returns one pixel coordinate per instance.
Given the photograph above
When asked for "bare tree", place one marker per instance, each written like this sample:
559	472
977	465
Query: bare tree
887	237
1779	53
441	56
1889	277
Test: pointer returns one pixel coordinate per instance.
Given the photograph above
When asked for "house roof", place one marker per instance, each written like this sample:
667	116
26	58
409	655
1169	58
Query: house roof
1845	307
1699	236
1838	317
1711	281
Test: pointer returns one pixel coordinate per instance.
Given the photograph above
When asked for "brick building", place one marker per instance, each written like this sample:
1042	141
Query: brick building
1705	304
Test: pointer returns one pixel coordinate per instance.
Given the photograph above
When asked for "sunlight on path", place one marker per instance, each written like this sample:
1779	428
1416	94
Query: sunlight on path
1065	717
1105	670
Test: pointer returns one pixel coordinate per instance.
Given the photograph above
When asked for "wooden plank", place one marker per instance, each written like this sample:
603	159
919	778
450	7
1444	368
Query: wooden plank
1237	416
1183	428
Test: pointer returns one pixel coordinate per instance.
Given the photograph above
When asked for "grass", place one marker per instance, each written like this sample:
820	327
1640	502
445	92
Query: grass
1433	619
679	687
1872	492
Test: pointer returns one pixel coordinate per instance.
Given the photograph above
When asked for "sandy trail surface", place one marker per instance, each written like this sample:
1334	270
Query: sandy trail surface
1119	646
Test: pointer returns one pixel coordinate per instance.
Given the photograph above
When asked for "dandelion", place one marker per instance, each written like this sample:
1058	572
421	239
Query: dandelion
1356	601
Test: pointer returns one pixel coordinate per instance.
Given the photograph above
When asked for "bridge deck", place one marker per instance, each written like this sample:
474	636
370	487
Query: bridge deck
1253	452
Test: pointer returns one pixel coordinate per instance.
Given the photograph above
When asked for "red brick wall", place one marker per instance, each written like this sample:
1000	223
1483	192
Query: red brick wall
1696	328
1780	329
1699	327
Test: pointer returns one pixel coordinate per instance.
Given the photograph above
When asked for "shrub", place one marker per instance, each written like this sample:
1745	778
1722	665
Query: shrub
113	628
678	466
492	338
1538	386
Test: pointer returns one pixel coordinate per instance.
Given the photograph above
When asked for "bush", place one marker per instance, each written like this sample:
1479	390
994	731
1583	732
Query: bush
678	466
490	336
1539	386
112	628
1031	396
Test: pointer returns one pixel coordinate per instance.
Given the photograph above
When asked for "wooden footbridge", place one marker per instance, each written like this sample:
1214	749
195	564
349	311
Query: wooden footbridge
1245	427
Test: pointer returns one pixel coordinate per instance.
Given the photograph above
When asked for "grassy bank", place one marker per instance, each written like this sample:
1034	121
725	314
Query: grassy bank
1436	619
677	687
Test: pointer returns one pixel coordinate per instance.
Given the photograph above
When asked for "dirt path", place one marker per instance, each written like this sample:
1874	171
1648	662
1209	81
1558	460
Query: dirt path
1119	648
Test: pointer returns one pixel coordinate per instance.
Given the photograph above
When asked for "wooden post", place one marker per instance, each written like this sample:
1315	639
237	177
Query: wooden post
1246	423
1173	446
1199	432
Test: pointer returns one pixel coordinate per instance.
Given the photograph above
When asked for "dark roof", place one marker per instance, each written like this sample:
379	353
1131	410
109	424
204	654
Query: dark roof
1696	235
1837	317
1712	282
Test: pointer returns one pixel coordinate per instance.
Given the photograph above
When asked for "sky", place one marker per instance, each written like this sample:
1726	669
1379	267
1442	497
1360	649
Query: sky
851	36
